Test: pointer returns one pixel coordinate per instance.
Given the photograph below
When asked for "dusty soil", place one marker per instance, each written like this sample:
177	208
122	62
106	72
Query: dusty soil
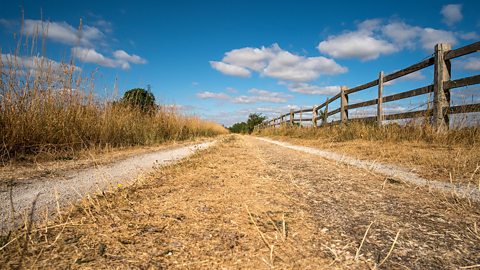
17	171
245	203
50	193
391	172
448	163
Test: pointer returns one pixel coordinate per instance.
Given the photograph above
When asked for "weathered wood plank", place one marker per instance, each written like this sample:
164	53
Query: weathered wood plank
321	106
362	87
333	112
411	93
302	120
462	82
469	108
415	67
441	96
471	48
380	98
362	104
406	115
335	97
364	119
343	104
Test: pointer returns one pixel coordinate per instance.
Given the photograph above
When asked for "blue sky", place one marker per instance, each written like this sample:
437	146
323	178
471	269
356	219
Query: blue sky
222	60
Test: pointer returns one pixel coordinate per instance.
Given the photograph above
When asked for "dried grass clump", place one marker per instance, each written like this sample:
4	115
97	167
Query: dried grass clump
392	132
46	106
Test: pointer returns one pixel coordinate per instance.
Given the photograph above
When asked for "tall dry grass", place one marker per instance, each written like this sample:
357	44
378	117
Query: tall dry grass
393	132
47	106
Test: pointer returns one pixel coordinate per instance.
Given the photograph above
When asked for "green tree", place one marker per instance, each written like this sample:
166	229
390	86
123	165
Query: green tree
239	128
253	120
139	98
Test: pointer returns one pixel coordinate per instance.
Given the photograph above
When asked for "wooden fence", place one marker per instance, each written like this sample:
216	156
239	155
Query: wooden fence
442	84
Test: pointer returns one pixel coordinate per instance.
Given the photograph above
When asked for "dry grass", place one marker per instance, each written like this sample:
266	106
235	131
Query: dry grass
453	156
258	207
52	109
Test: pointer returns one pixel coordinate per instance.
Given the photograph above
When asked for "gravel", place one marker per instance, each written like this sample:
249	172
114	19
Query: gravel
388	170
76	184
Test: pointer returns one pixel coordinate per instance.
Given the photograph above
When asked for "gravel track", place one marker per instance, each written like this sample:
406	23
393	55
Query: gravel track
76	184
389	170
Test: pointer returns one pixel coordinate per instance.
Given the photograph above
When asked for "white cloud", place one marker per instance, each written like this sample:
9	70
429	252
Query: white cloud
430	37
121	58
402	34
469	63
452	14
124	56
36	65
229	69
63	32
257	95
309	89
208	95
362	43
275	62
372	39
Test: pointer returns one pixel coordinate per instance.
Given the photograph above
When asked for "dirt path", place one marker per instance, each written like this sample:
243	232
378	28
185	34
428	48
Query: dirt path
249	204
395	173
75	184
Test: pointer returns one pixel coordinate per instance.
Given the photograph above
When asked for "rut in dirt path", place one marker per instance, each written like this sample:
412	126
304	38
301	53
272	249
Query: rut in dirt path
250	204
76	184
396	172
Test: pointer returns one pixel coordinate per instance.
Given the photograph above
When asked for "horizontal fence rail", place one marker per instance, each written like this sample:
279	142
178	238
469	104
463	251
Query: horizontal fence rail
439	114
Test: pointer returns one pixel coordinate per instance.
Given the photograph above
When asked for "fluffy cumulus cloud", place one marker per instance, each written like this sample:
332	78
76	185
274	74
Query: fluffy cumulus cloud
124	56
207	95
277	63
63	32
309	89
32	63
430	37
230	69
373	38
452	14
255	96
83	42
362	43
120	58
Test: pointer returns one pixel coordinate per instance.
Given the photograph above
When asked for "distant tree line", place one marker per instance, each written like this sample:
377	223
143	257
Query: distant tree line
247	127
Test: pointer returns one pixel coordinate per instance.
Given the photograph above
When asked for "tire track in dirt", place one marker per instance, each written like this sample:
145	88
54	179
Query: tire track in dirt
437	230
76	184
389	170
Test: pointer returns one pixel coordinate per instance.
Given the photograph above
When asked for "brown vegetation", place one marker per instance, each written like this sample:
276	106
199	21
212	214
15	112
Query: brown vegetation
50	108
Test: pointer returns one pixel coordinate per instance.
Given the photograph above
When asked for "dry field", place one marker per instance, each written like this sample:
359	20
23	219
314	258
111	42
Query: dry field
245	203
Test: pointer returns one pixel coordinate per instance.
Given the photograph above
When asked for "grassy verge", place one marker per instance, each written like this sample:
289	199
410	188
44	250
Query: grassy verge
453	156
49	108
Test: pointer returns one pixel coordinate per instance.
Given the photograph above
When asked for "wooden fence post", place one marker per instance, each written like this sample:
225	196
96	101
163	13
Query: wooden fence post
291	117
343	105
380	99
314	116
325	113
300	124
441	96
